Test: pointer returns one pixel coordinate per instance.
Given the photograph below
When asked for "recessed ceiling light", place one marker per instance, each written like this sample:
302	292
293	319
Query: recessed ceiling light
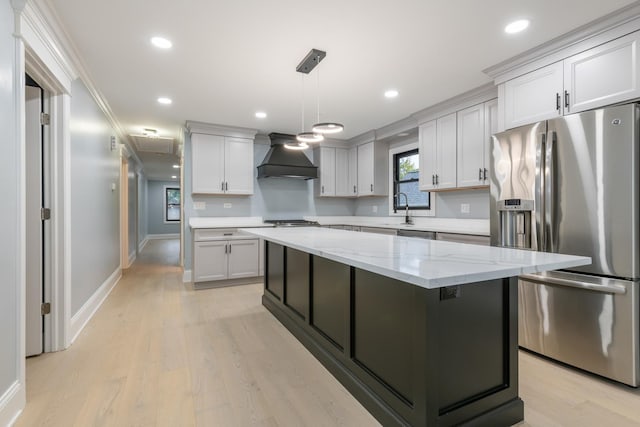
516	26
164	100
161	42
403	134
261	115
391	93
173	176
176	166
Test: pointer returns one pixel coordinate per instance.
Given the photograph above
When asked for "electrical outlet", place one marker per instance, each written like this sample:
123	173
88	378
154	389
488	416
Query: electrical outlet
227	205
198	206
464	208
374	209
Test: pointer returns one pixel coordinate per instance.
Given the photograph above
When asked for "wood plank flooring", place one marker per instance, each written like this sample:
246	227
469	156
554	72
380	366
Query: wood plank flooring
158	353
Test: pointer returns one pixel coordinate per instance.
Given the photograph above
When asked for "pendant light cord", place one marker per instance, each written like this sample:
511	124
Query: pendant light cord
302	100
318	88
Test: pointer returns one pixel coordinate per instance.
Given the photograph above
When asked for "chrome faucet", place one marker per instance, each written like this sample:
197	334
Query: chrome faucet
407	219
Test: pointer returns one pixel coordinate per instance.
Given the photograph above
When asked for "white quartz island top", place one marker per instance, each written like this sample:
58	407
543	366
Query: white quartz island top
430	264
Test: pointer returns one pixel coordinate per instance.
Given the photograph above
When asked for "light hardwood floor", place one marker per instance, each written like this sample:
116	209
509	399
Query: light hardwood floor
158	353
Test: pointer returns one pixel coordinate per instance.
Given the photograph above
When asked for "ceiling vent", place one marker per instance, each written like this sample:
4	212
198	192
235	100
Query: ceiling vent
153	144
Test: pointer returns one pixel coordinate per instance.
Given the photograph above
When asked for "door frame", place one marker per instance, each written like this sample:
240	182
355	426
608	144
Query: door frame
124	207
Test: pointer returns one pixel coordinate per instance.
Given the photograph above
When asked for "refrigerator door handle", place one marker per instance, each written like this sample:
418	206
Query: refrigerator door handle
608	289
549	195
537	234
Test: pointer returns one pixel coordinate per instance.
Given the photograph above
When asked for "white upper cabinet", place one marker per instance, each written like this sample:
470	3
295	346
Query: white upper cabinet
437	151
603	75
533	97
207	164
472	143
490	129
326	182
342	173
372	169
600	76
427	153
221	164
353	171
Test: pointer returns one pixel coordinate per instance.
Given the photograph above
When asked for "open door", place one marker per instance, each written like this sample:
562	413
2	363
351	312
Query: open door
35	216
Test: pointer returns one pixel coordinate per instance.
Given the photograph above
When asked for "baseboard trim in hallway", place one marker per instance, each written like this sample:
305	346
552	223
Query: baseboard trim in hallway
11	404
82	317
186	276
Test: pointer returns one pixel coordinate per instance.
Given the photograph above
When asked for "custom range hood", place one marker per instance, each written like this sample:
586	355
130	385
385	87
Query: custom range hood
282	162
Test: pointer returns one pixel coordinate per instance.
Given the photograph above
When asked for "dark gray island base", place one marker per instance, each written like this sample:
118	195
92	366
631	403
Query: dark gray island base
410	355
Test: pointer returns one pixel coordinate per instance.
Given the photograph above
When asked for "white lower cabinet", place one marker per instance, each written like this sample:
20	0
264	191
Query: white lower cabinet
225	259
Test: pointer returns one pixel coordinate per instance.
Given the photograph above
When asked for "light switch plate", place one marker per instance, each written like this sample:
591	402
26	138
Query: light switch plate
198	206
113	186
464	208
375	209
227	205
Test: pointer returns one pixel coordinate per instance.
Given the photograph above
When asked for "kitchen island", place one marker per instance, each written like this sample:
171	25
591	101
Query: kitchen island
421	332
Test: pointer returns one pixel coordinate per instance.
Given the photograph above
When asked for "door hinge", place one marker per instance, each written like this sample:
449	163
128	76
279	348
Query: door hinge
45	308
45	119
45	213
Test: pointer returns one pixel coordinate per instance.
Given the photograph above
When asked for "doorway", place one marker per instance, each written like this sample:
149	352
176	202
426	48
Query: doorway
36	216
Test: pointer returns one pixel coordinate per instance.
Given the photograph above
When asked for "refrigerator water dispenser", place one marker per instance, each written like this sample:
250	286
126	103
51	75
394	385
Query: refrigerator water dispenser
515	223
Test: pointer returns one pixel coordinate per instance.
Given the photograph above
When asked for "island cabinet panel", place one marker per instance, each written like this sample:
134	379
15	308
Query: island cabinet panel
330	299
296	295
383	327
274	259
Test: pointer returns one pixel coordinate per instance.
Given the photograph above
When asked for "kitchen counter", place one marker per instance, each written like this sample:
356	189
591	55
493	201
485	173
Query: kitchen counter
389	318
426	263
227	222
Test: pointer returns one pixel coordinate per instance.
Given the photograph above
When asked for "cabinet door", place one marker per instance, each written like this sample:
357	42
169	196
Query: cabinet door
207	164
210	260
365	169
327	171
446	148
239	166
471	143
353	171
604	75
533	97
490	129
342	172
244	256
427	155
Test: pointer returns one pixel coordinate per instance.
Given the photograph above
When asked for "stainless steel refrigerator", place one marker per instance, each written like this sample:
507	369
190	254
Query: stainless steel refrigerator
572	185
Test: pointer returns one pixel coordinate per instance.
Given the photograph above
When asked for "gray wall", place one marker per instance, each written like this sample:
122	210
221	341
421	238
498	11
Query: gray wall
448	204
155	208
142	208
9	217
95	207
272	198
133	208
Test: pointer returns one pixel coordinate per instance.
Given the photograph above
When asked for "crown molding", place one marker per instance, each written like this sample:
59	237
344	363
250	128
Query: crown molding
363	138
467	99
400	126
222	130
616	24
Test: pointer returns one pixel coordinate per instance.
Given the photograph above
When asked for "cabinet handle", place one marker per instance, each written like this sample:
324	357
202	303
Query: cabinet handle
433	180
354	189
479	174
226	186
486	172
372	188
437	179
558	102
229	247
225	248
222	186
566	100
322	190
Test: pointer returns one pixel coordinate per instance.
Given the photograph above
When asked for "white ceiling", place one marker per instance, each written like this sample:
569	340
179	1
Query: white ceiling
232	58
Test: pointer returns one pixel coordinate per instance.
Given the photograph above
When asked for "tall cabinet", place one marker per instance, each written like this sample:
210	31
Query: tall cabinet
372	169
437	150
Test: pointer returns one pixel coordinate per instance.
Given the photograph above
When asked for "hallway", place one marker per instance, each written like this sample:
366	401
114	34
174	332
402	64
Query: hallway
159	353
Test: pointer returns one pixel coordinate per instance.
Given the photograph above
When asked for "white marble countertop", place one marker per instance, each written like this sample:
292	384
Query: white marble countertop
430	264
443	225
227	222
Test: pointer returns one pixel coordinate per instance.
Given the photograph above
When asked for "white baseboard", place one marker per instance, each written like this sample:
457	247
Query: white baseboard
132	258
186	276
12	403
86	312
143	244
163	236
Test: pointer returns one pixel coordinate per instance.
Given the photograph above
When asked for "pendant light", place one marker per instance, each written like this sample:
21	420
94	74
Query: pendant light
324	127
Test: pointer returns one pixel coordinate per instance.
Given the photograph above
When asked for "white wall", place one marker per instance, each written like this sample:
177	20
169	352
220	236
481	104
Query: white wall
95	207
155	208
9	215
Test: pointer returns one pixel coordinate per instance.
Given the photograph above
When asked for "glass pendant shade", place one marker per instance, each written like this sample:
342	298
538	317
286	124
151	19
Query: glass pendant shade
327	127
309	137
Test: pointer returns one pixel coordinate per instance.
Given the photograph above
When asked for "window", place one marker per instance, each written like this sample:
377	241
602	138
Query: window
171	204
406	171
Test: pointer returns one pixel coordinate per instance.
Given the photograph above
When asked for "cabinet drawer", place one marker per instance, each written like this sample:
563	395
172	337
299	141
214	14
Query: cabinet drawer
473	239
205	234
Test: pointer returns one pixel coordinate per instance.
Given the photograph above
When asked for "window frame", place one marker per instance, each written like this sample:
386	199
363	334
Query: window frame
166	204
400	211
